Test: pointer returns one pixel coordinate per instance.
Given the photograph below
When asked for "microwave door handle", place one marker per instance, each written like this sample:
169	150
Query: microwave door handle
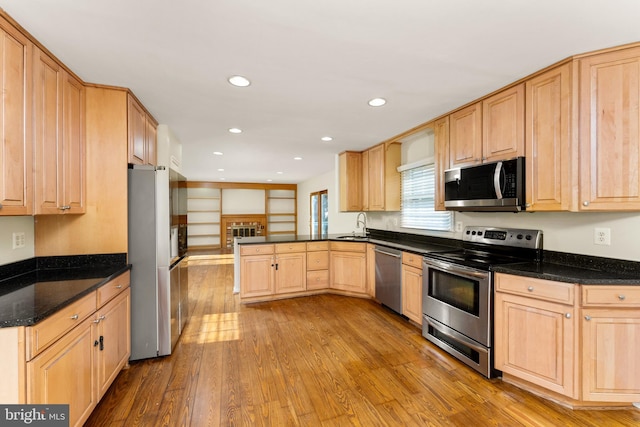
496	180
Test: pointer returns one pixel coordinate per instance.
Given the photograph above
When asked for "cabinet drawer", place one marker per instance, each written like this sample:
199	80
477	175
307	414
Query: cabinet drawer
348	246
42	334
285	248
318	260
618	296
318	279
318	246
256	249
546	290
412	259
113	288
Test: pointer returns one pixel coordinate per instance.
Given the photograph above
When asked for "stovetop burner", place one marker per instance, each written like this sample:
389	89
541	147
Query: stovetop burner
484	247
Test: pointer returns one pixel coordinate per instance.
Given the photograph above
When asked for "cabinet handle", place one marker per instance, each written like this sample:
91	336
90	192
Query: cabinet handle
587	317
74	317
530	288
64	208
585	203
119	287
567	315
621	297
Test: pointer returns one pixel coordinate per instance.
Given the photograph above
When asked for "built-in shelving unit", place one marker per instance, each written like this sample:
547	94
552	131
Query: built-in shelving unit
203	216
209	227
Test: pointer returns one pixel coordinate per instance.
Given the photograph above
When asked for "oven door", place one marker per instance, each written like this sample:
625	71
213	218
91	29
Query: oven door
458	297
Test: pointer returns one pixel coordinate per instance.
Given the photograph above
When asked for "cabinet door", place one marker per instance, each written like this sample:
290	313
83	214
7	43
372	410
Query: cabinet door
151	143
441	148
376	178
365	180
291	272
503	125
350	181
610	131
256	275
548	140
137	128
412	293
64	374
73	147
16	144
113	336
465	136
348	271
611	372
48	134
535	341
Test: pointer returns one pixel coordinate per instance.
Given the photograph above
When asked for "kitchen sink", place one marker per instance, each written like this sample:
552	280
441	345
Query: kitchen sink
352	237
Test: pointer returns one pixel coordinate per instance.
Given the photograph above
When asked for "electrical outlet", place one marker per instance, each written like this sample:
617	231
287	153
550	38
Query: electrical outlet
602	236
459	226
18	240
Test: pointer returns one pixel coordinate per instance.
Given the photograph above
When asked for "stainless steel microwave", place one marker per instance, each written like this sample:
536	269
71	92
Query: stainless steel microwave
489	187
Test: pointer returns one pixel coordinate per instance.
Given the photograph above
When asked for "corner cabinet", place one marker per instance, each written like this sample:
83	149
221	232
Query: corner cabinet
16	141
142	134
60	183
348	267
350	171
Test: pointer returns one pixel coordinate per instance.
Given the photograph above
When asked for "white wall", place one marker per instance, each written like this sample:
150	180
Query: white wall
9	225
339	222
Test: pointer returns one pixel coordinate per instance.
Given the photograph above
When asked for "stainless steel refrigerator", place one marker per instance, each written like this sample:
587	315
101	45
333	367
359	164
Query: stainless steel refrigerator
159	302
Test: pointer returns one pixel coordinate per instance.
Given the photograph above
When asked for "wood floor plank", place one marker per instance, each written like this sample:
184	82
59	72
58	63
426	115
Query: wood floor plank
325	360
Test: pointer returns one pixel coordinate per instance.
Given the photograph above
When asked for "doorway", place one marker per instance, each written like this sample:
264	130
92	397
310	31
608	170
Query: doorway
319	213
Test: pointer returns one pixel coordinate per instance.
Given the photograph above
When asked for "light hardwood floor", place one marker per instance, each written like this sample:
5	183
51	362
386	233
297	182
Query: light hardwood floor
316	361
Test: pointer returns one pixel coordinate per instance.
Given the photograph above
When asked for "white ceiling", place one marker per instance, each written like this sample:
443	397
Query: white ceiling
313	66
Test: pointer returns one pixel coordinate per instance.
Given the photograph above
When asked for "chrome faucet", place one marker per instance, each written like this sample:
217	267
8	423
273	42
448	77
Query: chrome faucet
363	222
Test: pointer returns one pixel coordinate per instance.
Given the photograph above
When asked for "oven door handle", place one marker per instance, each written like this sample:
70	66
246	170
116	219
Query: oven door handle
455	269
456	337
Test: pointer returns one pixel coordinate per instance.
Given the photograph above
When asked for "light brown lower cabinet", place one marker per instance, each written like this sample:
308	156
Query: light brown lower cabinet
78	368
267	270
412	286
317	265
578	341
348	267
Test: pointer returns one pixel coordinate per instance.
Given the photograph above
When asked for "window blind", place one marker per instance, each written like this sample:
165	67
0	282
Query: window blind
418	200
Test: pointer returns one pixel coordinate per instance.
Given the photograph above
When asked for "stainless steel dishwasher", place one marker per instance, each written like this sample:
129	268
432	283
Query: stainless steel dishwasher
389	277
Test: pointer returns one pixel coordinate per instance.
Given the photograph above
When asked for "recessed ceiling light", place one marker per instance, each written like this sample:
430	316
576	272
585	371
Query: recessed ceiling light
326	138
279	173
222	179
297	158
377	102
269	180
217	153
235	130
220	170
239	81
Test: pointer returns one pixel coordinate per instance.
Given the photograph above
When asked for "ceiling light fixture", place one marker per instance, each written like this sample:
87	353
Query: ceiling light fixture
223	179
217	153
279	173
326	138
297	158
239	81
235	130
220	170
377	102
269	180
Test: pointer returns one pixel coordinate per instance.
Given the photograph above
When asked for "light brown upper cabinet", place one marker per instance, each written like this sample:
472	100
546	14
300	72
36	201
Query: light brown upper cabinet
142	134
465	136
16	140
610	130
350	181
383	178
59	139
548	116
489	130
441	149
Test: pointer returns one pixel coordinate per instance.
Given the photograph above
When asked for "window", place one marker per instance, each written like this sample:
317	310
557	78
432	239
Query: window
418	199
319	213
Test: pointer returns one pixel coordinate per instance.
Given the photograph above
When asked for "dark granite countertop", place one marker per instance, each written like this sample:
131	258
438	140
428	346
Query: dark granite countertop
34	289
559	266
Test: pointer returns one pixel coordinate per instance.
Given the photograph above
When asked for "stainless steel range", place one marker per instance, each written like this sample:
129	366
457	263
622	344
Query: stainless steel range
458	291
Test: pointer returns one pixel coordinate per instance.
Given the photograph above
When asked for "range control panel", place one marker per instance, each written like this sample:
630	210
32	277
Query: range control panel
517	237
